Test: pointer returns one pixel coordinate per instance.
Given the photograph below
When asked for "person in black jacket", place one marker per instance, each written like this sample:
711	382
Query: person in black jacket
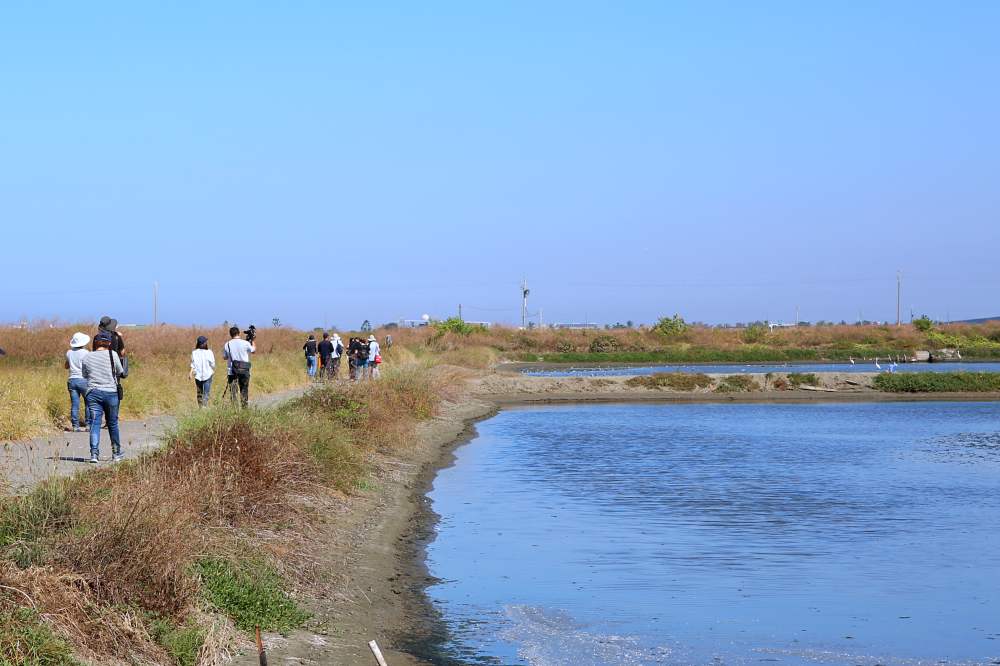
310	349
325	349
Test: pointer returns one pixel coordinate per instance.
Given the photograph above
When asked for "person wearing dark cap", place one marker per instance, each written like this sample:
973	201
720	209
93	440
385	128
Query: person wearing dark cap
110	326
102	369
310	349
202	369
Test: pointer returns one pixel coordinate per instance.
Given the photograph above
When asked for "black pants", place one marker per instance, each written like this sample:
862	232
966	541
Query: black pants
243	381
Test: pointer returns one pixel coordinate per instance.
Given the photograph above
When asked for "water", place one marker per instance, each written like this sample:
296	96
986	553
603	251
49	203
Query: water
723	534
737	368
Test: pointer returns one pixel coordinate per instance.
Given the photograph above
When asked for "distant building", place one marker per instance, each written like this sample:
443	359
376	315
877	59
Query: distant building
578	326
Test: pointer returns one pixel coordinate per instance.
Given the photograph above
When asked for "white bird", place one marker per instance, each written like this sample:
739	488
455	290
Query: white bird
876	363
851	359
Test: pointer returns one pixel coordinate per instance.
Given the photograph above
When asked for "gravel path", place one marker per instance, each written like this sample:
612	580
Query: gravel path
24	464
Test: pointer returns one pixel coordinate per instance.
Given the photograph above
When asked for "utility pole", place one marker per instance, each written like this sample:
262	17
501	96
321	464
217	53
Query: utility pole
156	303
524	303
539	318
899	293
460	312
796	315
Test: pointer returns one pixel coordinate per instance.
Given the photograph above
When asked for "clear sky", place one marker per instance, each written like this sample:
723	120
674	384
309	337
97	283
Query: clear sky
331	162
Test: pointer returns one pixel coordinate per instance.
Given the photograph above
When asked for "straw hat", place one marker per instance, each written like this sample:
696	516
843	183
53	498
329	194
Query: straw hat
79	340
371	338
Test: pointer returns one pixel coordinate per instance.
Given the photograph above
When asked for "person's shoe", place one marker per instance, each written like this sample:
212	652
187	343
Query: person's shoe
79	429
118	457
93	459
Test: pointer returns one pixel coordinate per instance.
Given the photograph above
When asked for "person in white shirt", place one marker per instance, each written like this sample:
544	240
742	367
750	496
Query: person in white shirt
374	357
202	369
76	384
237	353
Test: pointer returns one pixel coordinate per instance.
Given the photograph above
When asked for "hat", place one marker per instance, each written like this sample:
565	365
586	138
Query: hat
107	323
103	337
371	338
79	340
201	340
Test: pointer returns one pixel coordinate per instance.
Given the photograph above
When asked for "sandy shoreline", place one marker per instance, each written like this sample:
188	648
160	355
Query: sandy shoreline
376	546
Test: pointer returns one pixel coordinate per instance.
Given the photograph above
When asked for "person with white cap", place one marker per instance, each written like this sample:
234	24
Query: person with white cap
374	357
338	352
76	384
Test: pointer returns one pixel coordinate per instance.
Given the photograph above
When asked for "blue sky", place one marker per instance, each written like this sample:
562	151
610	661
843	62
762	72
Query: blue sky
329	163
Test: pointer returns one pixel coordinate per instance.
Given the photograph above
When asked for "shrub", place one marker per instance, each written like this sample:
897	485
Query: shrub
456	325
754	333
182	643
251	593
675	381
737	384
936	382
797	379
923	323
604	343
671	326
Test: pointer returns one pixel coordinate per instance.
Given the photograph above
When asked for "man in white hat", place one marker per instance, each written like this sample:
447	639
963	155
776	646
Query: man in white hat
76	384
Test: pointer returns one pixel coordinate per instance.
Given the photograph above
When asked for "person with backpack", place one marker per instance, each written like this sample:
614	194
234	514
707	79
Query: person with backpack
102	368
310	349
338	353
202	370
374	357
76	384
237	354
353	349
325	350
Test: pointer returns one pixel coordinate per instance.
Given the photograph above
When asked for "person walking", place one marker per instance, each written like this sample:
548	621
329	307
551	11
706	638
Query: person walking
374	357
76	384
325	349
102	368
353	348
237	354
362	358
310	349
338	353
202	370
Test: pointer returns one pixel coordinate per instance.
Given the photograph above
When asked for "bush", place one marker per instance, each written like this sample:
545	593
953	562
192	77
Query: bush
797	379
754	333
671	326
251	593
675	381
182	643
456	325
923	323
737	384
603	344
937	382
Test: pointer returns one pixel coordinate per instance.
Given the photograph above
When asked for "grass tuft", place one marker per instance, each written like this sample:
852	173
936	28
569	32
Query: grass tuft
675	381
737	384
26	641
251	593
937	382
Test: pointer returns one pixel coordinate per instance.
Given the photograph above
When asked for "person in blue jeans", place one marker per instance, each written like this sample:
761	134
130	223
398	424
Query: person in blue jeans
76	384
310	349
102	368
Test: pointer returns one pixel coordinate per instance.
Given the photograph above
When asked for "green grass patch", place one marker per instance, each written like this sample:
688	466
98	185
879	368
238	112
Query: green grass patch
251	593
937	382
797	379
26	641
182	643
675	381
737	384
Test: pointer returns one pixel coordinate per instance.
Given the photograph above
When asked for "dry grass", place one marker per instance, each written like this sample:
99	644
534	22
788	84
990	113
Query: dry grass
33	395
111	558
675	381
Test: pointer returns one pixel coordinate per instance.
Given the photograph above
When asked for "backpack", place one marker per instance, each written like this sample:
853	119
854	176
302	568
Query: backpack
363	351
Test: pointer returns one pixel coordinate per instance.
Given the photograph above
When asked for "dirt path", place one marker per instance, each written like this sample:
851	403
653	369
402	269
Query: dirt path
26	463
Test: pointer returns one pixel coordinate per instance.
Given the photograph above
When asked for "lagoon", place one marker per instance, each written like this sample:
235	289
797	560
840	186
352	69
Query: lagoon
740	368
723	534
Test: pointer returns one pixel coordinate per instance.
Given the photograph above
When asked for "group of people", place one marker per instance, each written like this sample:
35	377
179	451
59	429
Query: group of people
323	358
94	381
95	374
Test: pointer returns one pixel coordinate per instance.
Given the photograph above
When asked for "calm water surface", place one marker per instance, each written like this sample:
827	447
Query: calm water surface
735	368
724	534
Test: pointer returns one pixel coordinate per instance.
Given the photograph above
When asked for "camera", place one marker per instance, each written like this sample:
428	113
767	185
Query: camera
250	333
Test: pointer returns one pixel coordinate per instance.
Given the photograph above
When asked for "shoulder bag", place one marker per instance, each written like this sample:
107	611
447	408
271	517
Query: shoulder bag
239	368
114	372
